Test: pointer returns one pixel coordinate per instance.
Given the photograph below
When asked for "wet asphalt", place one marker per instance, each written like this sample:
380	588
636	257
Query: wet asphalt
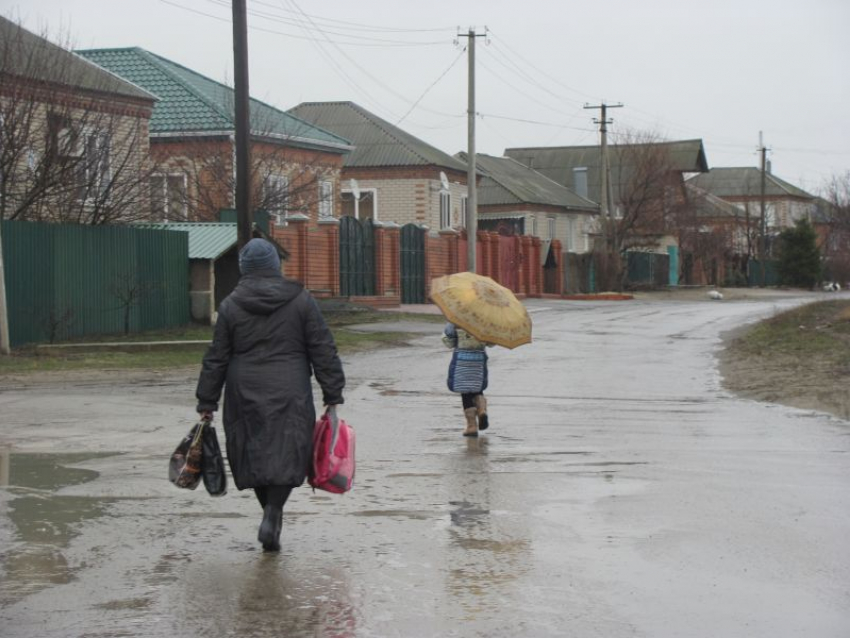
620	491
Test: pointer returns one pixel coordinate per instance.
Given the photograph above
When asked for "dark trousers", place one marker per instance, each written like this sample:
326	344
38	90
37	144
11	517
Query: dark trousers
468	399
272	495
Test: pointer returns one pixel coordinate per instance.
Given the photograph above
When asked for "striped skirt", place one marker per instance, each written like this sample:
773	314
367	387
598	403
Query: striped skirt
468	371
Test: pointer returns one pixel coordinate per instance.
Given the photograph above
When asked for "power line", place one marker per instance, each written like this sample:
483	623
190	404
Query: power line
357	26
537	122
433	84
357	43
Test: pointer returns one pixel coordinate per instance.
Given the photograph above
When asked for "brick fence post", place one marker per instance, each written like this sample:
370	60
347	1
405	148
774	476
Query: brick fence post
391	259
559	260
296	230
330	253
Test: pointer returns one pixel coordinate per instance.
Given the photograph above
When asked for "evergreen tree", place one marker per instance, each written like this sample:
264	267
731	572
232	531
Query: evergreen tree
799	256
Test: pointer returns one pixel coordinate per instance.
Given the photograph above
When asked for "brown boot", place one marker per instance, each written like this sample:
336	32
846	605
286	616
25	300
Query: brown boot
481	406
471	423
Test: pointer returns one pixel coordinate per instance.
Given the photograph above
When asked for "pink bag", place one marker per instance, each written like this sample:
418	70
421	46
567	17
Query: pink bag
333	454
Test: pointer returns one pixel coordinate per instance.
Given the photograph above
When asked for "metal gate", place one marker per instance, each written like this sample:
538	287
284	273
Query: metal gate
356	257
509	262
412	258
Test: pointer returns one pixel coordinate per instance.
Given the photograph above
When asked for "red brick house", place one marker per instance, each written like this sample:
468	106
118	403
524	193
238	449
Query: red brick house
295	165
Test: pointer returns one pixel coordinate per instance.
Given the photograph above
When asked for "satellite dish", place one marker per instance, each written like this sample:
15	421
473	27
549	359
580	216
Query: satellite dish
444	181
355	188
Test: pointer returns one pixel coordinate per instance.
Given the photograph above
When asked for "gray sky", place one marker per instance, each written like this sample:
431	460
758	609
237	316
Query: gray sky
720	70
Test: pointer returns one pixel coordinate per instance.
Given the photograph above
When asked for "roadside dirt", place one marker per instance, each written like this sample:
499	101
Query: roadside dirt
799	377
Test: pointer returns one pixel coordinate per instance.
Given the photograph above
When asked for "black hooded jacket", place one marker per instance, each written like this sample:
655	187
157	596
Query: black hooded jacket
269	337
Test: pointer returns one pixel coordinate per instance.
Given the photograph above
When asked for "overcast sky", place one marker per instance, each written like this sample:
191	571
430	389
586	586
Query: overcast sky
719	70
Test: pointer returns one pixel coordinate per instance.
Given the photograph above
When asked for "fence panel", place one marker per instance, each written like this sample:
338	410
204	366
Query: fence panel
65	281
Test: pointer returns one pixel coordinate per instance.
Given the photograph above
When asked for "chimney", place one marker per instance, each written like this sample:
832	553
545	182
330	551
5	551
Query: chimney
768	167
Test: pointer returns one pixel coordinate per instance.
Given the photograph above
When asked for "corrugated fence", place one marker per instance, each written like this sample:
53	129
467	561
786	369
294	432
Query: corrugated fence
65	281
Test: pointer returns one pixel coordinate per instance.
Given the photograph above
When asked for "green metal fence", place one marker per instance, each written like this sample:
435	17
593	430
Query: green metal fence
65	281
647	269
770	276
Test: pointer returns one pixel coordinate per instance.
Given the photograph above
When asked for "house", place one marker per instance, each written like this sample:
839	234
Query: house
295	166
579	167
74	137
399	178
213	262
645	188
514	197
784	202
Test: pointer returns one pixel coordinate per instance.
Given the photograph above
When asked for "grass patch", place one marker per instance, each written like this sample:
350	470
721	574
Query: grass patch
814	332
30	359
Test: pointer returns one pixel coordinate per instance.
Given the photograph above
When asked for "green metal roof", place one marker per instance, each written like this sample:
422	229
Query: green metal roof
192	103
377	142
557	162
745	182
506	181
30	56
206	240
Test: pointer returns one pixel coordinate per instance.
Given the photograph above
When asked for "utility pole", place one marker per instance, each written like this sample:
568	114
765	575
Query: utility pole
242	124
5	346
763	242
606	195
472	194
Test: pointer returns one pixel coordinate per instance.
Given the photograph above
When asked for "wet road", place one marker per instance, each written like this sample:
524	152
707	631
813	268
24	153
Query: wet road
619	492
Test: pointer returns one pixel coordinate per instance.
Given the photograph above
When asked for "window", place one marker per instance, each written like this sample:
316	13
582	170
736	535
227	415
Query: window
276	197
464	211
551	221
445	209
364	208
580	181
168	197
571	227
532	226
326	200
85	154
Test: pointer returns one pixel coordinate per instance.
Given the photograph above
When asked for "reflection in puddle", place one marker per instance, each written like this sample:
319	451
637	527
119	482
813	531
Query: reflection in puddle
44	522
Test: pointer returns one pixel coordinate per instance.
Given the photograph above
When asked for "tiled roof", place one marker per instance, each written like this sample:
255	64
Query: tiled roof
377	142
192	103
745	182
506	181
32	57
557	162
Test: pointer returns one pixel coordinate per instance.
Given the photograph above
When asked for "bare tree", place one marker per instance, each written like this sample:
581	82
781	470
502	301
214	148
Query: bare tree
72	148
647	193
834	221
196	177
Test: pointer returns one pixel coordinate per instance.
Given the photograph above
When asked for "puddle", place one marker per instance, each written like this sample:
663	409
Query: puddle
43	522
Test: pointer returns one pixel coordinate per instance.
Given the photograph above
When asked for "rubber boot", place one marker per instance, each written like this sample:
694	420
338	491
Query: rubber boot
481	406
269	534
471	423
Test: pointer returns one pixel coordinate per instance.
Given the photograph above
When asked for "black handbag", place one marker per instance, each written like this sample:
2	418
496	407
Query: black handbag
184	466
212	463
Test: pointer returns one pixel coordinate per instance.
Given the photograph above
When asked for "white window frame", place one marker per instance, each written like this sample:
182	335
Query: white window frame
100	164
571	228
166	202
326	199
445	209
374	192
552	226
533	225
280	211
464	210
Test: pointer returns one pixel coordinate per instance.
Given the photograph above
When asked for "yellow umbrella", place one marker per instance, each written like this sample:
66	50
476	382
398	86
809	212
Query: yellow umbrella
488	311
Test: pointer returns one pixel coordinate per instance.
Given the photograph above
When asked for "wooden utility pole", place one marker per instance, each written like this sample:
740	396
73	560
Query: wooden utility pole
242	124
606	194
472	192
5	346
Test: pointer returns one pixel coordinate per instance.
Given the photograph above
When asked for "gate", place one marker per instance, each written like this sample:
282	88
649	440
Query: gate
551	272
412	258
356	258
509	264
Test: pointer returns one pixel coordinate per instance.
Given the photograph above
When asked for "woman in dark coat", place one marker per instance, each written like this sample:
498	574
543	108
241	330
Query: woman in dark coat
269	338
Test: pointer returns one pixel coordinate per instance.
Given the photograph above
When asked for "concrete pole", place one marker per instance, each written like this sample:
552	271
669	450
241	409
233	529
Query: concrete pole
763	243
472	195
